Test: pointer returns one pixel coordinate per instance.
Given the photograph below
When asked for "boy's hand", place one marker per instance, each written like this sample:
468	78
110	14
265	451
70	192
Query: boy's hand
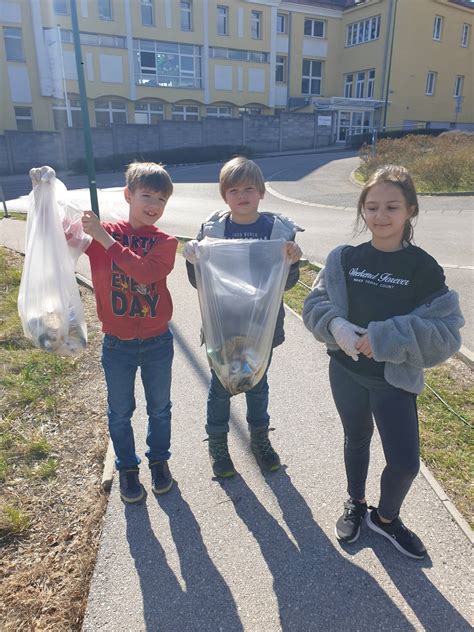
92	226
363	346
293	251
190	251
42	174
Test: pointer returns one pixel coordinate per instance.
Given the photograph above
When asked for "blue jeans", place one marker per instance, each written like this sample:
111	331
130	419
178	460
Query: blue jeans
218	405
120	360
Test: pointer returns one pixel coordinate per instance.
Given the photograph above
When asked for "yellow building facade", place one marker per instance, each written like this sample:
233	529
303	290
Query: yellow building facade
358	64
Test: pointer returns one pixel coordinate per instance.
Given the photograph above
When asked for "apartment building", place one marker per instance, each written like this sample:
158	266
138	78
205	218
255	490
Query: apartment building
358	63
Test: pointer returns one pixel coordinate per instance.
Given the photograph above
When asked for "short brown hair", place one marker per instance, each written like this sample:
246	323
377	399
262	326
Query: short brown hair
240	169
148	175
399	176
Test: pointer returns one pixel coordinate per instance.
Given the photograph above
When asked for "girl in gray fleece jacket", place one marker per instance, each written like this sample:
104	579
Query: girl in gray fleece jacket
385	313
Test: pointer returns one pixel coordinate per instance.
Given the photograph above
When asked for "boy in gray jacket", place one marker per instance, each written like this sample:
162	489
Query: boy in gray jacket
242	187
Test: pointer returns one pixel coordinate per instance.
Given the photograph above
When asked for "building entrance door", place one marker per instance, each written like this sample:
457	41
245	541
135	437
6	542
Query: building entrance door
353	122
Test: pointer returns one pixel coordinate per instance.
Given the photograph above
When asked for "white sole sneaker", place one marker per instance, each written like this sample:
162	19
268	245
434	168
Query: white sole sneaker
391	538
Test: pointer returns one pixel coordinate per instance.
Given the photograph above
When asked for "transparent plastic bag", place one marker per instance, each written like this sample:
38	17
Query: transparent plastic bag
49	303
240	286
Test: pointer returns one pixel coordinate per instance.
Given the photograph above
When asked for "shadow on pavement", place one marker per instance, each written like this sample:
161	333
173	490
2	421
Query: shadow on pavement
206	603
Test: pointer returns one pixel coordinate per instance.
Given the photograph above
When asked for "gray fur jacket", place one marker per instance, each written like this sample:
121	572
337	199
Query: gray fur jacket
283	228
423	338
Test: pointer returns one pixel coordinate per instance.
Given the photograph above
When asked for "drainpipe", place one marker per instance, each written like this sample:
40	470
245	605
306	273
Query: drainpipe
393	16
288	64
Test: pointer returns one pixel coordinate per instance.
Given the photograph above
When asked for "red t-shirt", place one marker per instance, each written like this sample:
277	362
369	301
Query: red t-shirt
129	280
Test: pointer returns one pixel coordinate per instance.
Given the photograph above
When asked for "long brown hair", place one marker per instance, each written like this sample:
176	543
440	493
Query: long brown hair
399	176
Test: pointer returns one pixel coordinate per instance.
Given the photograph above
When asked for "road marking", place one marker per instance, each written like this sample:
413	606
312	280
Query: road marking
448	265
303	202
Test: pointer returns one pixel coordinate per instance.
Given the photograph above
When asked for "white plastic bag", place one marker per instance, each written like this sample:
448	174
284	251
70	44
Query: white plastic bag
240	285
49	303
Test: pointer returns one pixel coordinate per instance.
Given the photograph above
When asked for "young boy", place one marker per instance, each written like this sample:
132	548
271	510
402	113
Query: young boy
130	261
242	187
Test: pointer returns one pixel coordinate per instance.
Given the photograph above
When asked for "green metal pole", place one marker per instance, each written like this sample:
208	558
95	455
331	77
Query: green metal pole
84	110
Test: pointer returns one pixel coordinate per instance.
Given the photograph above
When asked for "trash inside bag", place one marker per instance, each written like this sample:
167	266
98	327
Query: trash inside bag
49	302
240	286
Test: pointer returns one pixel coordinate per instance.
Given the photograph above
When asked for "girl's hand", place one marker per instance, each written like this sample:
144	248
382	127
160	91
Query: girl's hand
293	251
363	346
92	226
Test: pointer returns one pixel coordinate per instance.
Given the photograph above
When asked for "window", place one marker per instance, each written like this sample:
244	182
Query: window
61	7
314	28
185	113
430	83
186	9
348	84
280	69
250	109
360	85
167	65
24	119
147	12
371	84
465	35
236	54
281	23
364	31
219	111
148	112
108	112
311	76
437	28
222	20
458	86
60	112
94	39
105	9
256	24
13	44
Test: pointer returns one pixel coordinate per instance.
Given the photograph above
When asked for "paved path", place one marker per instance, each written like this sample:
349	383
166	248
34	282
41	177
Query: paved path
258	552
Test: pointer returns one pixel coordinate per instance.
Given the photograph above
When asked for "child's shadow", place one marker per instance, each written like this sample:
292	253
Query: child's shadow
206	602
316	587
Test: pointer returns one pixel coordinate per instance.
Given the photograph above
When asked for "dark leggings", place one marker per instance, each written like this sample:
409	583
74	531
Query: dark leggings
359	400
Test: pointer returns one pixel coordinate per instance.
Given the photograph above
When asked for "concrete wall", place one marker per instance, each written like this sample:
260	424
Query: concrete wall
19	151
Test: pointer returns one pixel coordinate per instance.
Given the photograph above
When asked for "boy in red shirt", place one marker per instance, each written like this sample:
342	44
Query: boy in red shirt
130	261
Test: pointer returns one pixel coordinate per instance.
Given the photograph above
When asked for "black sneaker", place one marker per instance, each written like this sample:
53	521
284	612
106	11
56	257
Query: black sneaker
402	538
263	451
348	525
161	479
221	462
131	490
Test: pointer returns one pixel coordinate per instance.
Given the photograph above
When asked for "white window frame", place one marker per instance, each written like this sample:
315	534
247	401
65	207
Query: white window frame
281	64
256	24
219	111
364	31
370	83
154	111
430	83
360	84
222	19
185	113
458	86
348	85
23	116
14	34
314	22
438	28
147	7
57	7
59	105
251	110
107	14
151	75
312	77
465	35
111	108
282	19
186	15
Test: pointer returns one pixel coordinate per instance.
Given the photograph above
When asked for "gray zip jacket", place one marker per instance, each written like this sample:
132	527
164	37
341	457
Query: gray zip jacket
283	228
407	344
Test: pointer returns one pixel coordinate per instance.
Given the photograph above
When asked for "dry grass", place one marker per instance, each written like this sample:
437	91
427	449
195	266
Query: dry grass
51	457
442	163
